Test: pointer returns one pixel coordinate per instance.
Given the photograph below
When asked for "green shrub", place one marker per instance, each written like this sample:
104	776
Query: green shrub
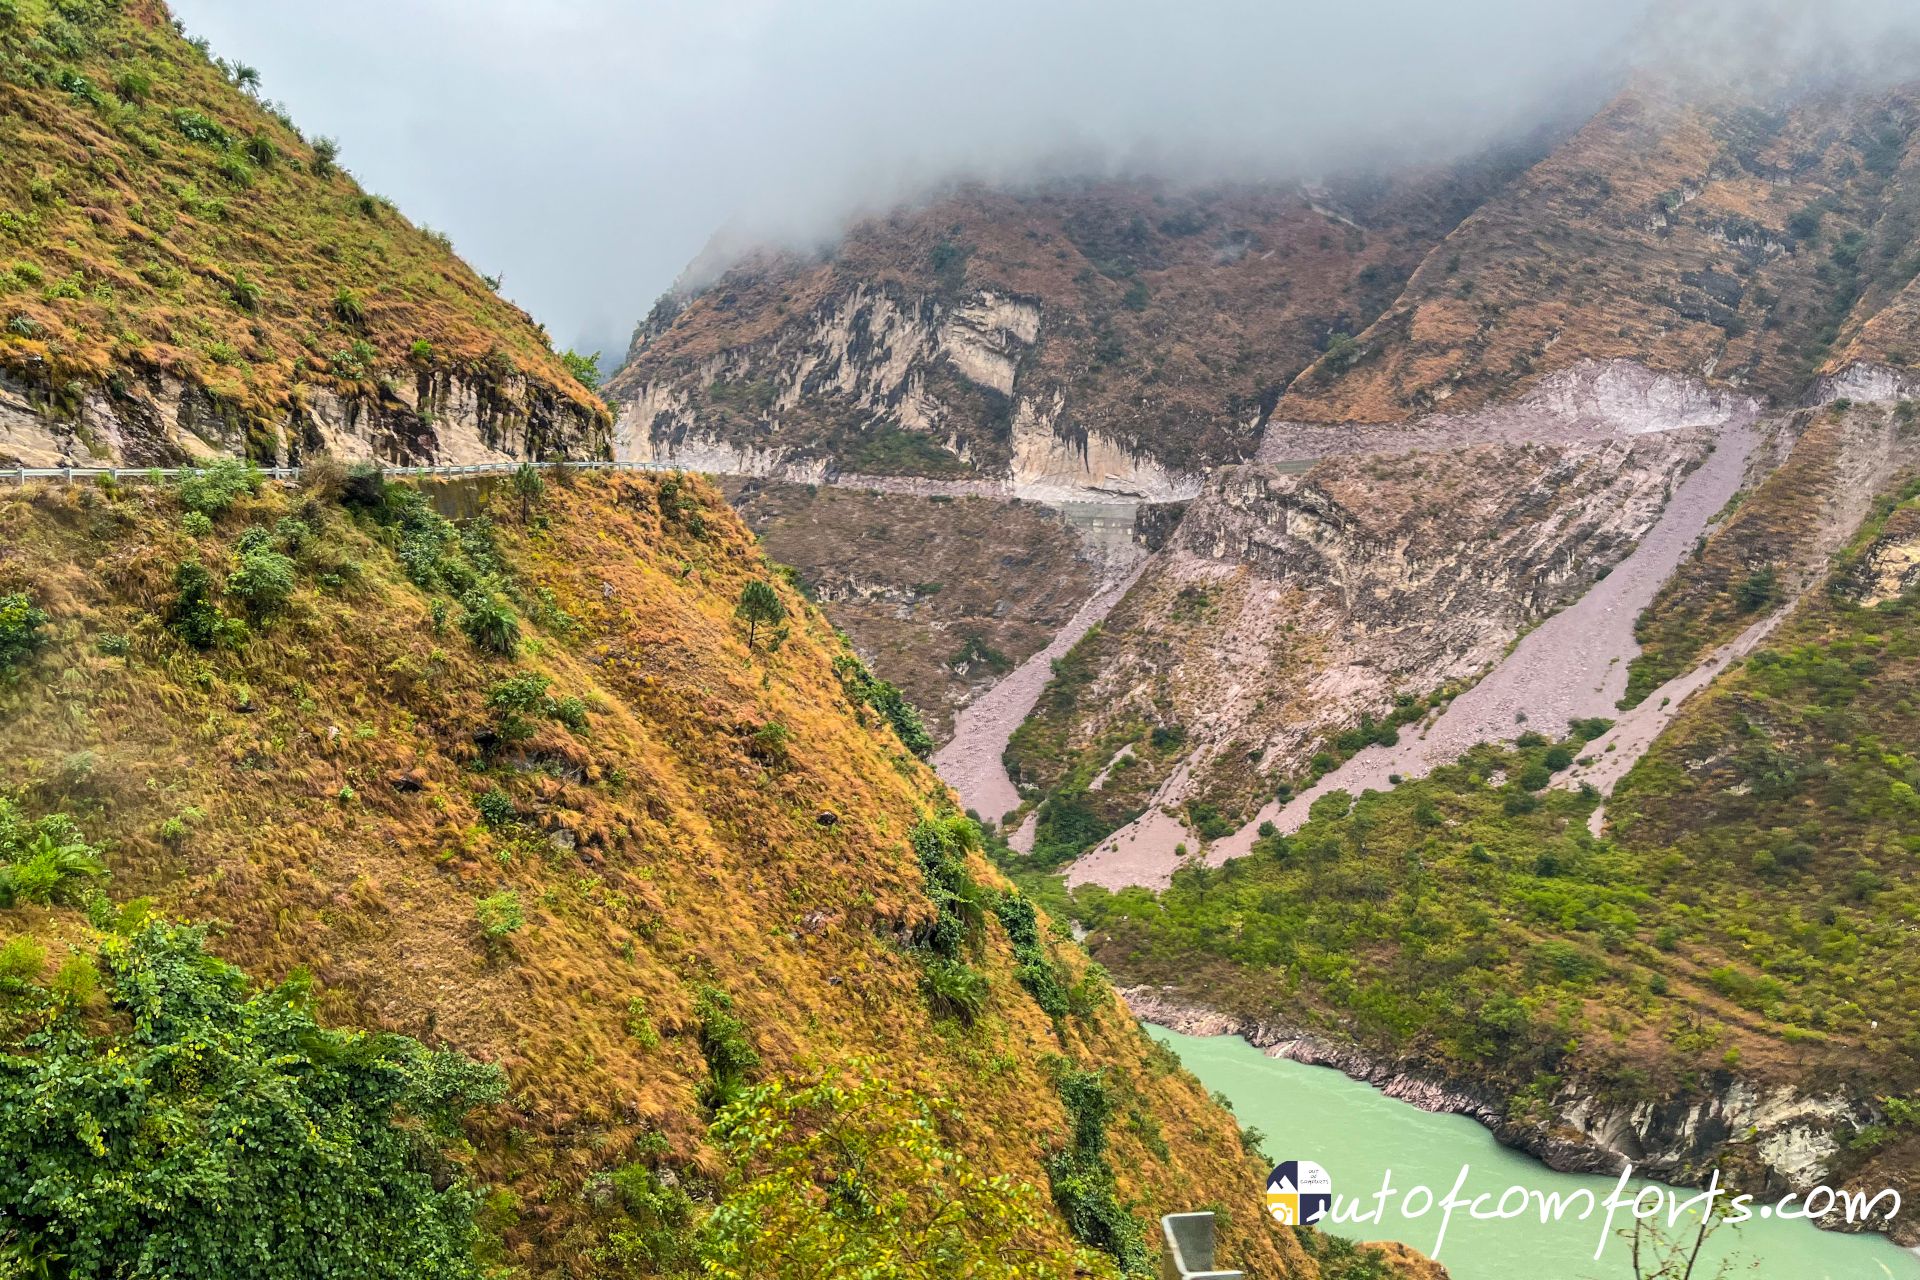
44	861
959	907
196	127
829	1179
20	624
862	686
1757	590
328	1140
194	617
657	1215
1082	1180
325	152
133	86
954	989
1035	968
264	583
496	808
517	697
490	623
730	1055
500	915
213	489
572	713
348	309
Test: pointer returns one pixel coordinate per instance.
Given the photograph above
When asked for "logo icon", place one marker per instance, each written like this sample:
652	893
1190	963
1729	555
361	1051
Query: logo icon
1299	1193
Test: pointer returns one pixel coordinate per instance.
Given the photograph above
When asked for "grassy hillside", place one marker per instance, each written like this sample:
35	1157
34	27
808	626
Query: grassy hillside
159	219
521	789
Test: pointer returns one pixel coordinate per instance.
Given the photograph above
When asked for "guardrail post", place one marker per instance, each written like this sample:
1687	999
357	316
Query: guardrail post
1187	1248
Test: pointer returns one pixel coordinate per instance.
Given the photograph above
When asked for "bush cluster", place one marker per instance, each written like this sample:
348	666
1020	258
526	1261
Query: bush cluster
865	688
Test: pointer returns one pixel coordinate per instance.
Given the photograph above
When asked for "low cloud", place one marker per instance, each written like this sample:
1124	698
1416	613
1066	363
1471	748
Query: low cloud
589	151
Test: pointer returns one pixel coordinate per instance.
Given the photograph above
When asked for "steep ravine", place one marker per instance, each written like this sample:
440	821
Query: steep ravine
1573	665
971	762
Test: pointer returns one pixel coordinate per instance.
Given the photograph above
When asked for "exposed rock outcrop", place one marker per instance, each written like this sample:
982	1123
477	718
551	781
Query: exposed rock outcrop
427	417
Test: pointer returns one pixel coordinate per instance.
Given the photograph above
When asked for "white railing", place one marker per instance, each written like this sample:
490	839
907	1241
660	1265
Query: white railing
20	475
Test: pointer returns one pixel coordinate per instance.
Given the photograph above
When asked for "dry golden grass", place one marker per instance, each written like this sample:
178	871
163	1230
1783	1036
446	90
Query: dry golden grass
128	247
325	778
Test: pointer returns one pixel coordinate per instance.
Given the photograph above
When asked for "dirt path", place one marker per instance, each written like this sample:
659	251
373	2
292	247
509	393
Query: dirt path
1573	665
970	763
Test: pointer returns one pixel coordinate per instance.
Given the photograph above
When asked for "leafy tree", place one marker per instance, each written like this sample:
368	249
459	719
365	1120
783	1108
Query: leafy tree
528	485
759	603
218	1133
585	369
837	1179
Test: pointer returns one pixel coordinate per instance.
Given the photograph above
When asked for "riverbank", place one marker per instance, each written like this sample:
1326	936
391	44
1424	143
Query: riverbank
1394	1168
1785	1139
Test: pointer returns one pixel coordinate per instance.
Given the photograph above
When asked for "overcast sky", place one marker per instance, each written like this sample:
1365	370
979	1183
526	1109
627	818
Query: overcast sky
589	150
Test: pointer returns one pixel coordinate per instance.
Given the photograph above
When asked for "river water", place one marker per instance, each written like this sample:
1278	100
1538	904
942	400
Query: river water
1358	1134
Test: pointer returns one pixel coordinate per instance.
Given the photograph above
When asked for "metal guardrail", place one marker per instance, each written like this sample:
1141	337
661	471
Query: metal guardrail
1187	1250
20	475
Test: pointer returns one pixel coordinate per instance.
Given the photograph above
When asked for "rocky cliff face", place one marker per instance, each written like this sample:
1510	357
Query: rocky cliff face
944	594
430	417
1287	604
1752	243
1104	339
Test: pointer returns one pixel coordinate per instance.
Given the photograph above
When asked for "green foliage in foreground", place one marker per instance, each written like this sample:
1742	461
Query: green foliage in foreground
44	861
838	1179
1082	1178
217	1132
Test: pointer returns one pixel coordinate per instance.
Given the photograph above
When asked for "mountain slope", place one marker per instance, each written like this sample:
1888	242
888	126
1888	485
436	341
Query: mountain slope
1748	243
1719	981
1115	336
182	273
634	862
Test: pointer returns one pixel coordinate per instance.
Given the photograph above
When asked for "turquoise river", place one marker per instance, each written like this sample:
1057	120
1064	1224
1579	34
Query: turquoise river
1358	1134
